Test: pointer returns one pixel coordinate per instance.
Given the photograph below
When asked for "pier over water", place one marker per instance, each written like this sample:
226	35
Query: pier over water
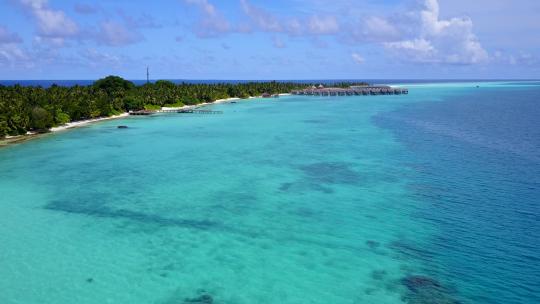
179	111
351	91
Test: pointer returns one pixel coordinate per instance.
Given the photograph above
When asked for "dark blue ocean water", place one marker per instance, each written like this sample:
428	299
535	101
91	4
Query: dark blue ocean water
478	155
85	82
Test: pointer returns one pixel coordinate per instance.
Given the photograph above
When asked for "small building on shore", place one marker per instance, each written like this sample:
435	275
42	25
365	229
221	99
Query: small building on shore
266	95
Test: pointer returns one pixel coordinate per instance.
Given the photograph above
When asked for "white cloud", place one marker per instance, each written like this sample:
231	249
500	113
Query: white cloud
212	22
12	55
54	27
323	25
436	40
262	19
143	21
294	27
267	22
377	29
207	8
520	58
97	58
51	23
357	58
8	37
112	33
420	50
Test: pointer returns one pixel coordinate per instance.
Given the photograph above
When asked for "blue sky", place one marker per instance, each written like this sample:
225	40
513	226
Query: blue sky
255	39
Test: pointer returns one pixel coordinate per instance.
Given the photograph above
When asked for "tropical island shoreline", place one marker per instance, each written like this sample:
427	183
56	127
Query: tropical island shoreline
17	139
28	112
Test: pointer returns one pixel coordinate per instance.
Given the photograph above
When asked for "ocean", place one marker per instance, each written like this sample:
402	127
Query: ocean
87	82
431	197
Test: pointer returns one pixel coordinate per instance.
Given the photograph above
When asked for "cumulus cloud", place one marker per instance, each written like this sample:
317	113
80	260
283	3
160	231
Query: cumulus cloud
54	27
97	58
520	58
12	55
8	37
415	50
374	29
437	40
262	19
113	33
323	25
265	21
11	52
212	22
140	22
51	23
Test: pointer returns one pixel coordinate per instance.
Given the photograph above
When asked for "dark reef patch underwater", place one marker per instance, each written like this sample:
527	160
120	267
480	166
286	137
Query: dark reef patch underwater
425	290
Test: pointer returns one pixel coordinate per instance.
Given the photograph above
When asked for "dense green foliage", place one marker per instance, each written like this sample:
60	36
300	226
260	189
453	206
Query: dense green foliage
37	109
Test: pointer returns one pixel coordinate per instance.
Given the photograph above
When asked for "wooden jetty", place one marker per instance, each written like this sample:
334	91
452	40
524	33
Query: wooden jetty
180	111
142	112
351	91
190	111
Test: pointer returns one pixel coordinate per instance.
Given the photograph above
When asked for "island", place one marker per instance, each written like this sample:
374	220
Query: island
27	111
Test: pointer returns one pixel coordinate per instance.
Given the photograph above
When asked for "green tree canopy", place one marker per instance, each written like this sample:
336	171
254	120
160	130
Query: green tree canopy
41	120
112	84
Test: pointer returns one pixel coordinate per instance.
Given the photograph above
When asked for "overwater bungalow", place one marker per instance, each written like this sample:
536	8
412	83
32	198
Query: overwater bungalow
351	91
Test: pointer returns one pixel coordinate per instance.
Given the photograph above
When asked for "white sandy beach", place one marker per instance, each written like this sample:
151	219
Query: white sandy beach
81	123
201	104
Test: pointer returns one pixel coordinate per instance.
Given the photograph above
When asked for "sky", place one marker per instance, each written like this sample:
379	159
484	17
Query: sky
279	39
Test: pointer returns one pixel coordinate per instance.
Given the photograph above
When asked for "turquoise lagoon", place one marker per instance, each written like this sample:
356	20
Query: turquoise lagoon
426	198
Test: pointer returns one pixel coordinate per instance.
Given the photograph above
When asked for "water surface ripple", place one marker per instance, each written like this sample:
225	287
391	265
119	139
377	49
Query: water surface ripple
425	198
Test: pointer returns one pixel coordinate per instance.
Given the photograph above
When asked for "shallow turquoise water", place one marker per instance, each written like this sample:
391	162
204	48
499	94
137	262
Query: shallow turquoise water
290	200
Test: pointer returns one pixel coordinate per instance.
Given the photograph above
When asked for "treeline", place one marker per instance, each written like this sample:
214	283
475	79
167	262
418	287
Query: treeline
37	109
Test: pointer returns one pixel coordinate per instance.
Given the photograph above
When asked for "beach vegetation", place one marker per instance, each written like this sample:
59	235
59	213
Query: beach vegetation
61	118
177	104
41	119
151	107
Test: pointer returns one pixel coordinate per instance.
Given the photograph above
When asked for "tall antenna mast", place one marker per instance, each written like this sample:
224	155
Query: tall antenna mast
147	75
